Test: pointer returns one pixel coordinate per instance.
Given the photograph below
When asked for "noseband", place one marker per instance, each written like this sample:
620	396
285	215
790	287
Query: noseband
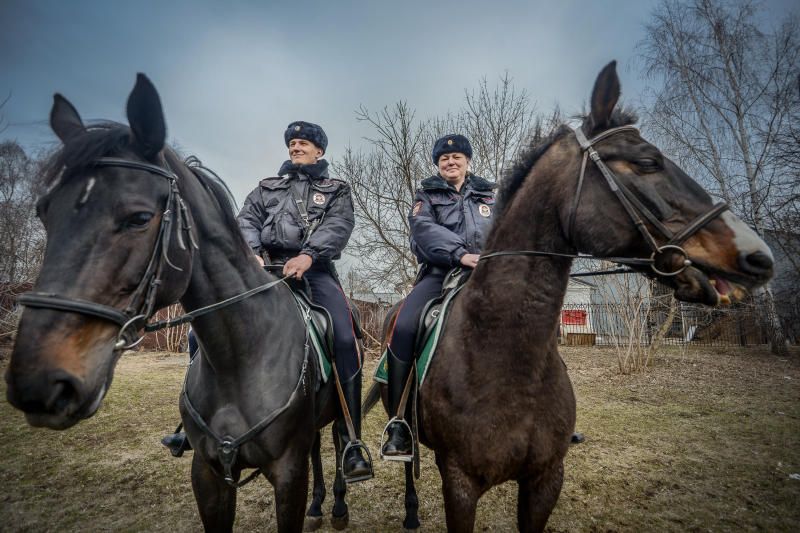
141	305
634	208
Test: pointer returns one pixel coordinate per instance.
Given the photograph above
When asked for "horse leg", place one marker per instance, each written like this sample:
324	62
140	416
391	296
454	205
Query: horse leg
537	497
314	514
411	522
461	493
340	515
289	477
216	500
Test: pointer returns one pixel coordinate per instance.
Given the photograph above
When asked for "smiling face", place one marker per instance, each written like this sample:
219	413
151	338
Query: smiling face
303	152
453	168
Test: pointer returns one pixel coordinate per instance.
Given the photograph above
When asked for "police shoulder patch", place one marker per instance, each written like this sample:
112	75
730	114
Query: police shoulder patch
417	207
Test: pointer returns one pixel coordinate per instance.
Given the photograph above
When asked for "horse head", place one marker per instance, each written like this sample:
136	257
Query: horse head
116	246
616	195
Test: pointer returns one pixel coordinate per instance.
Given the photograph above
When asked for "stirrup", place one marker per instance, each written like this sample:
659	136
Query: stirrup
403	458
364	477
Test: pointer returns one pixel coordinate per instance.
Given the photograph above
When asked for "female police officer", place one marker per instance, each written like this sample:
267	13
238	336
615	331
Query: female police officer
449	221
302	219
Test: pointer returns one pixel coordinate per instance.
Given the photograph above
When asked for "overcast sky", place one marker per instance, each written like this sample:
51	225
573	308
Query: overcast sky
232	75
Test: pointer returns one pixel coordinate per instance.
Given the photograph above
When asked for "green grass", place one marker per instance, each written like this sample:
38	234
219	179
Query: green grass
703	441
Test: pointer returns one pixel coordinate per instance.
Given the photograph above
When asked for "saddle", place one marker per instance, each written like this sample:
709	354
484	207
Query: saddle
320	325
430	326
432	311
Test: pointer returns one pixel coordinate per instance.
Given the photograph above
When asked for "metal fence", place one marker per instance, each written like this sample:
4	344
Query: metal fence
671	322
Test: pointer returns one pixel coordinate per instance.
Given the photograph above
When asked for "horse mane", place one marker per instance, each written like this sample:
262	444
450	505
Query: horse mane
98	140
217	188
109	138
515	176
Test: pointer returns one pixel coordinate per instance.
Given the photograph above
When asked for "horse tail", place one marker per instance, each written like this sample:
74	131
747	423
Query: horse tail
373	396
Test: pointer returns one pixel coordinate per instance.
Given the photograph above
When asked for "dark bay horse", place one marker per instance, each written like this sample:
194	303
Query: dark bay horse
131	229
497	404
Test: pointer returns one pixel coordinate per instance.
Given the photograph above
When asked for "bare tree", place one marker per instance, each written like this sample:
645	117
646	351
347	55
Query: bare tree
21	234
726	96
499	121
3	121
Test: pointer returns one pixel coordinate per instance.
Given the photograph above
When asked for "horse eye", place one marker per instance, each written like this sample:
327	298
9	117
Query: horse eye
648	164
138	220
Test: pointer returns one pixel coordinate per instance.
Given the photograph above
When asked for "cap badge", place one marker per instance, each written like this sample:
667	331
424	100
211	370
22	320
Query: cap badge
297	128
450	142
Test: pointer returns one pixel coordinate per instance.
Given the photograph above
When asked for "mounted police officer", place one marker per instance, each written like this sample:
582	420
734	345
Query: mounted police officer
302	219
449	221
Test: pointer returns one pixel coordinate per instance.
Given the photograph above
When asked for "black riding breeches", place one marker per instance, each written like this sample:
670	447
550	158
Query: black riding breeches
327	292
405	328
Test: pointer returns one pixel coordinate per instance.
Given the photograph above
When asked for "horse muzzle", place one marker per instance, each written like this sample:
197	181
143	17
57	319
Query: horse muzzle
54	399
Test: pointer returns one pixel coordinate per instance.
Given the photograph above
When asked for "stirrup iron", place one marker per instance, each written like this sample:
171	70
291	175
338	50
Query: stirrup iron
403	458
355	479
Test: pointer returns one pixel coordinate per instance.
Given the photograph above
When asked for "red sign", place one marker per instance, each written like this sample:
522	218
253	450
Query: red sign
573	317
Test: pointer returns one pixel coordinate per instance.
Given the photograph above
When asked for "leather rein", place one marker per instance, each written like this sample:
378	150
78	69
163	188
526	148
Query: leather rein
634	208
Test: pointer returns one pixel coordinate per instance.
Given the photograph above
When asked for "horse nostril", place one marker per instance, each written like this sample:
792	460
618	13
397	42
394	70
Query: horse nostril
756	262
64	394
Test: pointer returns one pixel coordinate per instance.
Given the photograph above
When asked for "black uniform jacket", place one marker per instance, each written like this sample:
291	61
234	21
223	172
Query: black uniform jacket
271	221
446	224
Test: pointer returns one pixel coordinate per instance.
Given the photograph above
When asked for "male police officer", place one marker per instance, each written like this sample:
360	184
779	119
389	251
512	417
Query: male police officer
302	219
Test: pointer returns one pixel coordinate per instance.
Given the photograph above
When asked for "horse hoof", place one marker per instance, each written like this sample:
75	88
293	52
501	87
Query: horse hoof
340	522
312	523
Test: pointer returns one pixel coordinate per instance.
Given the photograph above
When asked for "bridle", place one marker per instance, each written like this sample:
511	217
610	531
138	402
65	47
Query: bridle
141	305
634	208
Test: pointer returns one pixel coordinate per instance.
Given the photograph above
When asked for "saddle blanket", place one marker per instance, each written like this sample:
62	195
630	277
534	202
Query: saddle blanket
316	325
428	349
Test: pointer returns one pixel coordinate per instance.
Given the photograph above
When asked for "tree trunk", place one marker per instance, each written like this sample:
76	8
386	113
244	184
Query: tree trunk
771	321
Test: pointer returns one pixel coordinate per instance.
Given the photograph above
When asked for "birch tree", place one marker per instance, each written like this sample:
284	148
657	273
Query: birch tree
725	96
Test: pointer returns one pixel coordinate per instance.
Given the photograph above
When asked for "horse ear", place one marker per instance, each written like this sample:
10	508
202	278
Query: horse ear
64	119
604	97
146	117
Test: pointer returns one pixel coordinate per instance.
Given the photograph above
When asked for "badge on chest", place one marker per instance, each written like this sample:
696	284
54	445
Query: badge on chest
318	198
485	210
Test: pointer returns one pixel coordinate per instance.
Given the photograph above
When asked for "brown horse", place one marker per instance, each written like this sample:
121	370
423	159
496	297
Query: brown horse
497	404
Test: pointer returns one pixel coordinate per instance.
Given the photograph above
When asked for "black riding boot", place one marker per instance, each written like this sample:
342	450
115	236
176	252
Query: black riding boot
399	441
355	466
177	442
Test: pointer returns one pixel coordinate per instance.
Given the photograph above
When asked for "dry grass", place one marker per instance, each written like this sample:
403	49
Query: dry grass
704	441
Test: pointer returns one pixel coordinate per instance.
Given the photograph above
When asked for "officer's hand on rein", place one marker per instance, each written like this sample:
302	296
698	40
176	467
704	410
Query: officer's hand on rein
297	266
469	260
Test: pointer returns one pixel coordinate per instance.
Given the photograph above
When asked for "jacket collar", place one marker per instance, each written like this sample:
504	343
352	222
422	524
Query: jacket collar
318	170
476	183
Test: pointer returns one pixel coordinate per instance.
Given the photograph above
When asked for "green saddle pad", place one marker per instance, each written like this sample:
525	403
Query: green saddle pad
316	338
425	356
